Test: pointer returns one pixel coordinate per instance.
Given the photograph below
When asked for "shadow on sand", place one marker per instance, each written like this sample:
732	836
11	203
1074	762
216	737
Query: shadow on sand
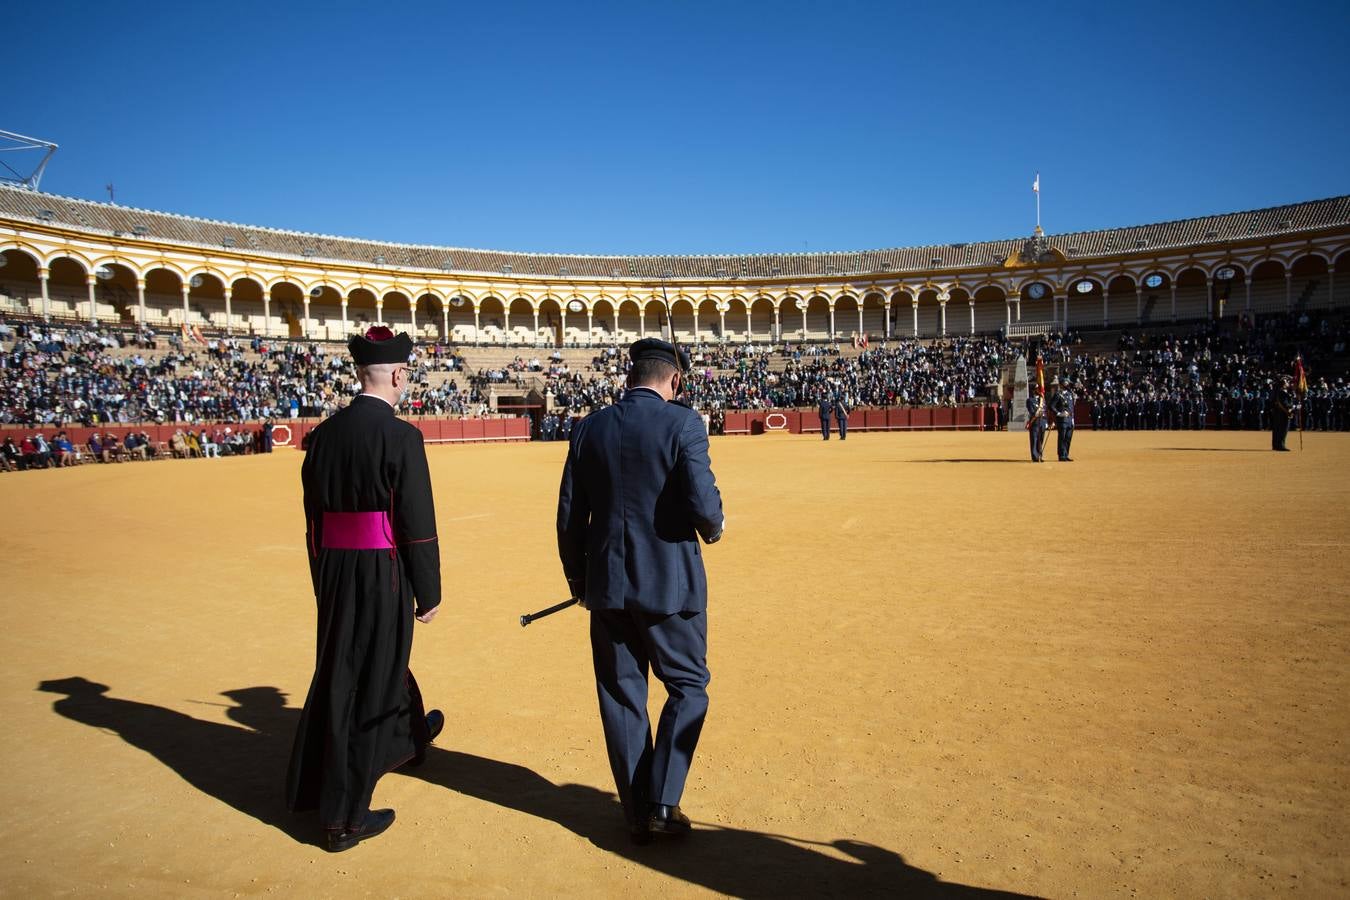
244	765
966	460
1212	449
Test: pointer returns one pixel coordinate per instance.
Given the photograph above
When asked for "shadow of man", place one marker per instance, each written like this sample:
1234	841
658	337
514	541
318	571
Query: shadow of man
244	767
241	767
732	861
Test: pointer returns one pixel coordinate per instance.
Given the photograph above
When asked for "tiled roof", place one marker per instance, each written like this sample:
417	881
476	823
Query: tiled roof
106	218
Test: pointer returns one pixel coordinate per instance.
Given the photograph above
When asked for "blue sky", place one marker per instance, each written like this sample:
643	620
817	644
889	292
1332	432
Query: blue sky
685	127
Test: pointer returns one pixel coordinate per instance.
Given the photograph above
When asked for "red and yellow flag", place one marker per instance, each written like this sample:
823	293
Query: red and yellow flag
1300	376
1040	374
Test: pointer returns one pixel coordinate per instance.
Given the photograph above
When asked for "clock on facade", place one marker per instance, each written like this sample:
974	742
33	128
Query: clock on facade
1084	286
1154	281
1036	291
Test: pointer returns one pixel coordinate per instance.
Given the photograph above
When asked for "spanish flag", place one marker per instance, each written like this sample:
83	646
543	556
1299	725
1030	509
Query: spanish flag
1300	376
1040	374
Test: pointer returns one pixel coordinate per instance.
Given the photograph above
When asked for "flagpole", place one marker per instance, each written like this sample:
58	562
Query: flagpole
1036	189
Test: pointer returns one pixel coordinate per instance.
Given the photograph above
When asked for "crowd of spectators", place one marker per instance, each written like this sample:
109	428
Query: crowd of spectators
56	376
36	451
901	372
1210	375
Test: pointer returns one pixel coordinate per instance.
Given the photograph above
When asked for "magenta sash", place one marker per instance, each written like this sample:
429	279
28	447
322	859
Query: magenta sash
357	531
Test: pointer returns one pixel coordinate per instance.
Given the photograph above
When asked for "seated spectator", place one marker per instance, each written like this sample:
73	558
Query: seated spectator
136	447
113	448
178	446
96	448
194	446
66	454
210	449
9	457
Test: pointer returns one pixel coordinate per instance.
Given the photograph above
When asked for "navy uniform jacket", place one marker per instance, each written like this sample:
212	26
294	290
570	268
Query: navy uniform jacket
637	492
1062	406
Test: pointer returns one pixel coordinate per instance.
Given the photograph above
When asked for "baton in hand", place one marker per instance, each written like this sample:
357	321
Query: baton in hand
530	617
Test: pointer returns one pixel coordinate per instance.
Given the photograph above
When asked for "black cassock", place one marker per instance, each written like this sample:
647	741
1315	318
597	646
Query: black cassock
360	717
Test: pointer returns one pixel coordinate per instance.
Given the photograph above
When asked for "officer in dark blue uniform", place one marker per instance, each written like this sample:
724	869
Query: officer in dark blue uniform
637	494
1036	424
841	416
826	407
1061	404
1281	406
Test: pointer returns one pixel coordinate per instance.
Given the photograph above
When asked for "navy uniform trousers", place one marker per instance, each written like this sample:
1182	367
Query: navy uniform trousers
625	644
1064	430
1037	435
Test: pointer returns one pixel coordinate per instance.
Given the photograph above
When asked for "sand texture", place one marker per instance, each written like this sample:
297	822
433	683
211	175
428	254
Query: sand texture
937	670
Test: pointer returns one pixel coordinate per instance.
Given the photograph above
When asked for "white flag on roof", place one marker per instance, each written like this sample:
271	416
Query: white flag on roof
1036	185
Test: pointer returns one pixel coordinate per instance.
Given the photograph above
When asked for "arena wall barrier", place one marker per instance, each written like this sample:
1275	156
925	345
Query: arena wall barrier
290	432
979	417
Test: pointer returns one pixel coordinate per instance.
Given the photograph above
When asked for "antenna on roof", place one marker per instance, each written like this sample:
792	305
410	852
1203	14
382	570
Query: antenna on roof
112	196
11	143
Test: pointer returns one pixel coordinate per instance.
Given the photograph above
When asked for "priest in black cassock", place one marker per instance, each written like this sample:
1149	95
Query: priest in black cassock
375	563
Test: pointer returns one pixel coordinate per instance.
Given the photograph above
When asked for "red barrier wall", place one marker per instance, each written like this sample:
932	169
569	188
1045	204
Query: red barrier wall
434	431
805	421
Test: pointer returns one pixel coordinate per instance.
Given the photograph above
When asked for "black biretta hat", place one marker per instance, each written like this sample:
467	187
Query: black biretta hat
380	346
655	348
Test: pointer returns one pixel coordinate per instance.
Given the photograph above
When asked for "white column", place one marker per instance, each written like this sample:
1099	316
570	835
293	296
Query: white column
804	305
140	299
1331	284
1288	290
972	315
346	329
304	329
642	323
1248	307
831	321
1007	313
187	289
1018	302
695	325
887	332
506	321
590	327
267	312
1209	299
475	326
942	316
1106	311
536	327
228	293
43	274
1054	310
91	281
562	322
777	329
1139	305
379	312
861	330
412	317
722	323
749	326
915	305
1174	301
445	321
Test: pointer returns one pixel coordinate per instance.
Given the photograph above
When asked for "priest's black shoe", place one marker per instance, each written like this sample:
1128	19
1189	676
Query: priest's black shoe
640	835
669	820
377	821
435	723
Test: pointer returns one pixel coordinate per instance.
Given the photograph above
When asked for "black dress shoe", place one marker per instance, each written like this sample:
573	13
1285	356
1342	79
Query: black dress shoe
640	835
435	724
377	821
669	820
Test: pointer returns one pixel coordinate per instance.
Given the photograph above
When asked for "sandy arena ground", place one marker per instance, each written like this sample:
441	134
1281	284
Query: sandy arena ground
936	669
